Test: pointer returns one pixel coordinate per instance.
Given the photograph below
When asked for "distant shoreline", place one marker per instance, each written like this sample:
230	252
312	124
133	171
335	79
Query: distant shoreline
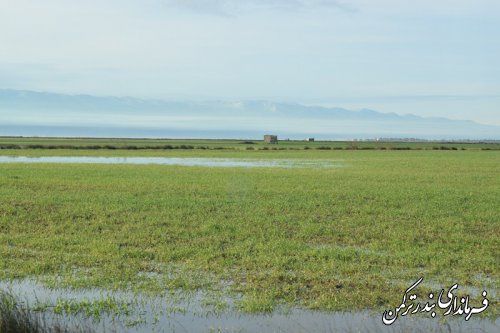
382	140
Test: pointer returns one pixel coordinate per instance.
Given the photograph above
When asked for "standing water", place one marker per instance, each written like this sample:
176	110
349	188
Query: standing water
205	162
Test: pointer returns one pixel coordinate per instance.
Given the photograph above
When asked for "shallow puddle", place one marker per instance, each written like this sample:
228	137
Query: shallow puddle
193	314
205	162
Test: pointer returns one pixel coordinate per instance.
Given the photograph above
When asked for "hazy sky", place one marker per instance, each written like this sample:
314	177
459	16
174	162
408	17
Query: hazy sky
427	57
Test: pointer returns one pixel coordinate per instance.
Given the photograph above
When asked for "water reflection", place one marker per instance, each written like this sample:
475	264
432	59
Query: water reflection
205	162
173	313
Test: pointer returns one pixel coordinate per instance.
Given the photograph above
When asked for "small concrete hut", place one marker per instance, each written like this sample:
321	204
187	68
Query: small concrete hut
268	138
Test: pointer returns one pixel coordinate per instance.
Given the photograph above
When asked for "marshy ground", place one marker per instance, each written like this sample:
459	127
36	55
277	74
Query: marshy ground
255	240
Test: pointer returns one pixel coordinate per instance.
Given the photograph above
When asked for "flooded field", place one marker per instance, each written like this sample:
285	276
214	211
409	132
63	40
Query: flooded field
105	311
286	241
204	162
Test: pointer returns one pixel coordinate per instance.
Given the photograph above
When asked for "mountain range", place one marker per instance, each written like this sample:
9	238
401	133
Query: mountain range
31	113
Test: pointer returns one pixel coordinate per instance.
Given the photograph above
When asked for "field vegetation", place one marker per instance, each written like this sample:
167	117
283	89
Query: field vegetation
16	317
345	238
167	144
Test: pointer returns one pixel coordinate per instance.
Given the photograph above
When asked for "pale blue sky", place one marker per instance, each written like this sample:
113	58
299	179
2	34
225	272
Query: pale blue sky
427	57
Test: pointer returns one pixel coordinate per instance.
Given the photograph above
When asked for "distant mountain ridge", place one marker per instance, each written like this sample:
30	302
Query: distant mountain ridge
32	109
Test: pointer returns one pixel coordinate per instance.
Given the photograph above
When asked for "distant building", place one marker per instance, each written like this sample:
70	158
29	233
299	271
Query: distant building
310	139
270	138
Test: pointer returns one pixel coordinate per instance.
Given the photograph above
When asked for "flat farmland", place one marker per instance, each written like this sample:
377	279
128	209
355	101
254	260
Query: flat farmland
349	237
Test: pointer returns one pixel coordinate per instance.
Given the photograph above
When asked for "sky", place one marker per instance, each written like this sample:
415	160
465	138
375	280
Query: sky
426	57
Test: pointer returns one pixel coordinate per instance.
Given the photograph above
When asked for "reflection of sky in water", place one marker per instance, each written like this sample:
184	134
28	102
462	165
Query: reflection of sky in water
206	162
188	314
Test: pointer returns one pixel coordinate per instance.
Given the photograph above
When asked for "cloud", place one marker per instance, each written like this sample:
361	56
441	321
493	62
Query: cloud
236	7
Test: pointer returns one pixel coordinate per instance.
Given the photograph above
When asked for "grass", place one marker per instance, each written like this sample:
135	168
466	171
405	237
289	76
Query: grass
329	239
168	144
18	318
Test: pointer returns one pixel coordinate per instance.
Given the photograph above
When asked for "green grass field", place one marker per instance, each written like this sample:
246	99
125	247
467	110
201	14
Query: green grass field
322	238
134	144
